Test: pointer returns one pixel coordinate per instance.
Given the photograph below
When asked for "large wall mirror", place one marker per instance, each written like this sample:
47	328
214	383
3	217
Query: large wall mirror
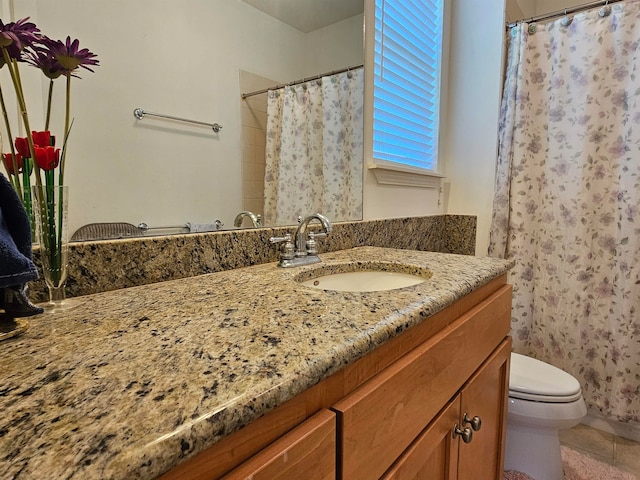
190	59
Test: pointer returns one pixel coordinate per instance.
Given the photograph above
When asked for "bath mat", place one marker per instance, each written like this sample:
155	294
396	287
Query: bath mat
580	467
511	475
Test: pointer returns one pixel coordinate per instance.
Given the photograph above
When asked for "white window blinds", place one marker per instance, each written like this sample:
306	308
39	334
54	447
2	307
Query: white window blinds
408	53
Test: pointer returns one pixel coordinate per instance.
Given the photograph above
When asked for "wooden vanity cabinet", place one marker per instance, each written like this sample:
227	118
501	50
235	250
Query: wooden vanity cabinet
437	455
379	423
391	413
308	451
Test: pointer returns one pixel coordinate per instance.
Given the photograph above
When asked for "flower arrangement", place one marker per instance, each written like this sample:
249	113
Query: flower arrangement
21	41
36	154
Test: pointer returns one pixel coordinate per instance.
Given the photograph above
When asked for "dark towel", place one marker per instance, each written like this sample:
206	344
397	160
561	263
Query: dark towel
16	266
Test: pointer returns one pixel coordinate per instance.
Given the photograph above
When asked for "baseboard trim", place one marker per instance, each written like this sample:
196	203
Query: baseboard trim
630	431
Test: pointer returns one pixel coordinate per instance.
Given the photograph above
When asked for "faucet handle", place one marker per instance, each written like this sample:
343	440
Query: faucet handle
287	252
285	238
312	246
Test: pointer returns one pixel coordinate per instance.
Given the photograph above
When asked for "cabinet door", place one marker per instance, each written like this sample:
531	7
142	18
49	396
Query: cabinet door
434	454
378	421
308	451
485	397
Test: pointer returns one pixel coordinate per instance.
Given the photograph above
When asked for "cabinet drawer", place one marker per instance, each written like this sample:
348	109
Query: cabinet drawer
379	420
308	451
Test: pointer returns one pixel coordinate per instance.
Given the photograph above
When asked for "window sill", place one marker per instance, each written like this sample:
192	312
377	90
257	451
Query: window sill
390	173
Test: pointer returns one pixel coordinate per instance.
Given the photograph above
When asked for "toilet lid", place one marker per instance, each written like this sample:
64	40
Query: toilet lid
531	379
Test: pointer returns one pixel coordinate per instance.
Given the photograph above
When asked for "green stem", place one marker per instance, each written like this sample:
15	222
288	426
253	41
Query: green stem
61	199
66	129
26	180
14	177
54	240
46	123
12	65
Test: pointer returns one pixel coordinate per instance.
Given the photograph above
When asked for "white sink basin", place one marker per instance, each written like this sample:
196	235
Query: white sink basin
367	277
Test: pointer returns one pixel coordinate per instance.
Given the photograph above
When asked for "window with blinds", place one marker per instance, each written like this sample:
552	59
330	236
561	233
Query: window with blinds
408	56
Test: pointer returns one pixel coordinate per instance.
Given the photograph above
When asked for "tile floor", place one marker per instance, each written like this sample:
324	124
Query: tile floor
603	446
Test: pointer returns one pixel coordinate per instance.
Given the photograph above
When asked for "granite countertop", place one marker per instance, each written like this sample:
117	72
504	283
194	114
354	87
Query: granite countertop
133	381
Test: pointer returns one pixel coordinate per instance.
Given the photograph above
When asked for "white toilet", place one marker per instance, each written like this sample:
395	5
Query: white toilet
542	400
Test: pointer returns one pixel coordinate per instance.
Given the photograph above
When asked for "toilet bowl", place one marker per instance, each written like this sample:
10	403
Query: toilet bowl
542	400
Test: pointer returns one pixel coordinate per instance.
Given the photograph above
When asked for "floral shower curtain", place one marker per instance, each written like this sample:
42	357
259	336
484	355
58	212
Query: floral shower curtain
314	150
567	201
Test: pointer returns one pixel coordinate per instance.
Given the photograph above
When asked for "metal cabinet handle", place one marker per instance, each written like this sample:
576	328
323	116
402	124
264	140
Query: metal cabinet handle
475	422
466	434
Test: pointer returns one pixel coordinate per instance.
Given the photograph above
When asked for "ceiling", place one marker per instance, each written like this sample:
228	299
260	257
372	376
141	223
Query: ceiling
309	15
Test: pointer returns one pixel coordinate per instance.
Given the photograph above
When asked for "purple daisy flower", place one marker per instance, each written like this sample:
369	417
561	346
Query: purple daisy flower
42	58
69	56
15	36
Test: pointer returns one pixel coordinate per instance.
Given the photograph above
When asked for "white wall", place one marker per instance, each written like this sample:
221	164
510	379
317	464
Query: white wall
548	6
527	9
471	135
522	9
179	58
339	44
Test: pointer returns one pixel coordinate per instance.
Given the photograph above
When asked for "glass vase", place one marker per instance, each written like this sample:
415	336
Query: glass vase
50	207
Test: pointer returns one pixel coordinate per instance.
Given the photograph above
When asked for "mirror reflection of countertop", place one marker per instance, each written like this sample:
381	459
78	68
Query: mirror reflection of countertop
132	382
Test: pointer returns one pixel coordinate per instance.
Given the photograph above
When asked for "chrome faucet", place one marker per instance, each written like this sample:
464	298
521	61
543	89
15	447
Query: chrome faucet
256	220
301	234
305	250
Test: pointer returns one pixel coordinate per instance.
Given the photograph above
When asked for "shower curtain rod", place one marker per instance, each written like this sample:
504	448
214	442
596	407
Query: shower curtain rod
566	11
302	80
